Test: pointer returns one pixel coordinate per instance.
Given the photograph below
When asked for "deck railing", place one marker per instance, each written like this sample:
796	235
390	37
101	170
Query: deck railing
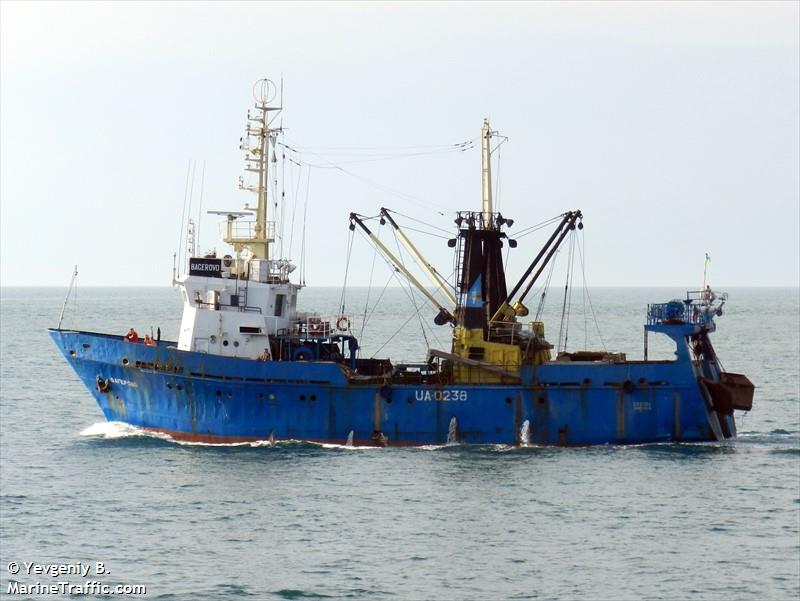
699	307
245	230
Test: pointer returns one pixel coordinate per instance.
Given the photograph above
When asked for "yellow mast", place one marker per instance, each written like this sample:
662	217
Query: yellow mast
486	172
256	235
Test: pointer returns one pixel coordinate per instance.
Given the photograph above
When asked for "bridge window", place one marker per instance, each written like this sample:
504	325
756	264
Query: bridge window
279	298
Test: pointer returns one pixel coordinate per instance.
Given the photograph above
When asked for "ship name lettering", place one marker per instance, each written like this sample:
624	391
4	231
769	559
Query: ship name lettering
440	395
204	267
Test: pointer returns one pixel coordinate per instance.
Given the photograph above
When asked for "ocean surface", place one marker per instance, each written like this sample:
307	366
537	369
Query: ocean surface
303	521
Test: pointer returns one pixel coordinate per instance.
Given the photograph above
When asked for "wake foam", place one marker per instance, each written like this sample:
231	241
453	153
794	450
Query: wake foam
116	430
121	430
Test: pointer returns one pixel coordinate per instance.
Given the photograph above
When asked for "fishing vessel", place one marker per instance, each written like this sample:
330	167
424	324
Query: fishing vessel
248	366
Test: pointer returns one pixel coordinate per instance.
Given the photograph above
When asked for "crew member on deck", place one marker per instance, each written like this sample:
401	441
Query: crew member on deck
265	356
132	336
148	341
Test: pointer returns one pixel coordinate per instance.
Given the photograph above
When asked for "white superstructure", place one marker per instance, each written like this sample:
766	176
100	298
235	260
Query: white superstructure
233	304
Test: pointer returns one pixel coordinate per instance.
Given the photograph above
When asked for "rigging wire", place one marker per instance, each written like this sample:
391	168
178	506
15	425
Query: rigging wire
572	240
447	280
309	148
402	285
413	229
283	195
567	303
412	296
294	209
405	227
583	310
375	306
586	287
538	226
546	286
200	209
436	227
330	165
350	237
303	239
379	158
183	210
388	340
369	288
497	180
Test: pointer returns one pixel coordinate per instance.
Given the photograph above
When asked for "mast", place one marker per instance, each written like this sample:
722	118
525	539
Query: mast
257	235
486	171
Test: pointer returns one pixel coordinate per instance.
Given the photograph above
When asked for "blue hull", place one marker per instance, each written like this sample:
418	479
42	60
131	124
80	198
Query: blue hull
207	398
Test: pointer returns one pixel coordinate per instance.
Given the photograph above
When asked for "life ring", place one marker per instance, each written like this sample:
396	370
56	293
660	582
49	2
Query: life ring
343	323
102	385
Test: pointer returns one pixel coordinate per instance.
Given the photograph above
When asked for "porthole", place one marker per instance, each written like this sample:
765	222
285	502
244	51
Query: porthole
224	343
72	353
125	361
236	343
508	400
230	395
179	387
271	397
169	385
212	339
313	397
541	400
219	393
260	395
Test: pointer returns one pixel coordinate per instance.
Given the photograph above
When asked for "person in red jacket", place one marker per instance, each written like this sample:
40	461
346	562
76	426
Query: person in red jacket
132	336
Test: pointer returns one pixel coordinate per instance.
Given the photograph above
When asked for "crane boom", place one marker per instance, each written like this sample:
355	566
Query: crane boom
433	275
444	315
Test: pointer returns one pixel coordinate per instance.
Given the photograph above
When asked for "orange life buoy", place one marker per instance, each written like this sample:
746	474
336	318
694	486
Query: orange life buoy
343	323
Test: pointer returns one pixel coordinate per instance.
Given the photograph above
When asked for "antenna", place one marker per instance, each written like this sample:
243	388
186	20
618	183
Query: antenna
264	91
200	207
259	234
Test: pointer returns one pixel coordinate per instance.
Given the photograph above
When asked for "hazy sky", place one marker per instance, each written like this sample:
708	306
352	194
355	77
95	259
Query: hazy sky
674	126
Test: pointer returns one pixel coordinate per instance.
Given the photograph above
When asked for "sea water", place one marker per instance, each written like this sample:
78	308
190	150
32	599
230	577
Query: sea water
297	520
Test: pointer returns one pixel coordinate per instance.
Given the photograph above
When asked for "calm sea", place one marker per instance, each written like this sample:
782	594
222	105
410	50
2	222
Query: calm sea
299	521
